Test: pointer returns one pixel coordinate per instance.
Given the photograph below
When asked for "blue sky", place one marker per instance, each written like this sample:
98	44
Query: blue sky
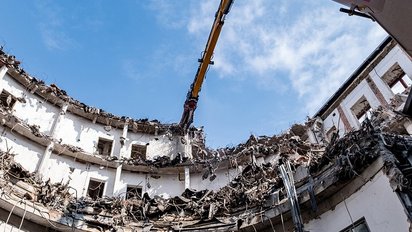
276	61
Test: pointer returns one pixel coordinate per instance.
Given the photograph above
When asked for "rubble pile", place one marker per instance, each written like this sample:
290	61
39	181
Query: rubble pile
355	151
262	149
13	170
258	159
157	162
53	195
257	182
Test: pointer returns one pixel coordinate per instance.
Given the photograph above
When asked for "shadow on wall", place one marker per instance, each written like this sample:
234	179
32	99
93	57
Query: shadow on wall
42	111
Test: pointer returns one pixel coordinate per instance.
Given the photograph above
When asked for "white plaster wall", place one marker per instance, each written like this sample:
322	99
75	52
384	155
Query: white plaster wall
395	55
223	177
35	111
8	227
81	132
381	68
161	145
166	186
58	170
77	131
336	121
362	89
129	178
347	103
28	153
375	201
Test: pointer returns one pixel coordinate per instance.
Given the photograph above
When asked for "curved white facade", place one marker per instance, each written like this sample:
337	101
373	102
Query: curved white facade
58	138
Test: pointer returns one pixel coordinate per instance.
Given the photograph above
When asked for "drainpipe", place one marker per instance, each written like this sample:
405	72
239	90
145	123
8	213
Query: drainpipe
123	149
187	153
54	127
123	139
187	178
3	71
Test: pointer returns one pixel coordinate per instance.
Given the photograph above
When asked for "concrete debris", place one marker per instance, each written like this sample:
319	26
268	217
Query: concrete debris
157	162
55	196
263	148
72	148
35	130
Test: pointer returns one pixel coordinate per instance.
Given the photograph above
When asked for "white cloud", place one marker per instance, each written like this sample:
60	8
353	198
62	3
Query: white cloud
154	66
203	17
170	14
54	39
312	43
52	27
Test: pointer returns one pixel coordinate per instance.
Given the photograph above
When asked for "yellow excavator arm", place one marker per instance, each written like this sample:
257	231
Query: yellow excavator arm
192	97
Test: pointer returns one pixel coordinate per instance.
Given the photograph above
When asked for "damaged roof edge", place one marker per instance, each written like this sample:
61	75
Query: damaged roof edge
352	78
58	97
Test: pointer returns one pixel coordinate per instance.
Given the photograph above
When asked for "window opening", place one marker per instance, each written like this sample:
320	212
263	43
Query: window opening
400	84
104	147
362	109
396	79
138	151
133	191
331	133
7	100
358	226
95	189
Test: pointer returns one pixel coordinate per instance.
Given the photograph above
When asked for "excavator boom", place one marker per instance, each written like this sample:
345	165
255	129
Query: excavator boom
192	97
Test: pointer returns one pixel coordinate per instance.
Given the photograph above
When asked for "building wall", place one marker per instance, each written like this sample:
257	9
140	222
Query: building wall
160	145
223	177
134	179
77	131
35	111
161	185
396	55
375	201
71	129
361	90
67	170
166	186
27	153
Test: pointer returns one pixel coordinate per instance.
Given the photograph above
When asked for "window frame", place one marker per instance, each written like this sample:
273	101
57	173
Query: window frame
8	94
360	221
132	188
394	75
364	111
109	148
402	82
135	154
331	132
101	192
